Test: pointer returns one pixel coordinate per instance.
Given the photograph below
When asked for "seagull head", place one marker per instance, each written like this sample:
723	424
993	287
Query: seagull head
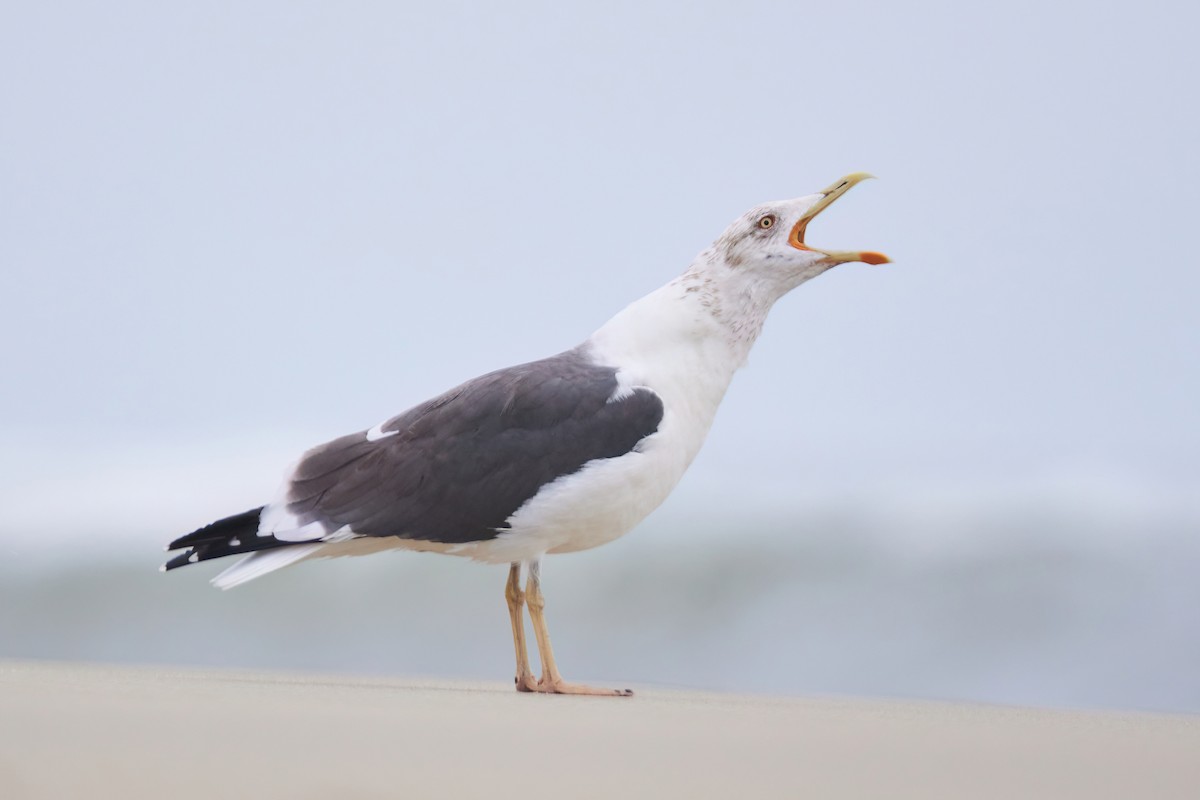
766	245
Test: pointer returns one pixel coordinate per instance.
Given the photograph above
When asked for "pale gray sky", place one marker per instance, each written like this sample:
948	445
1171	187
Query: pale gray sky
229	231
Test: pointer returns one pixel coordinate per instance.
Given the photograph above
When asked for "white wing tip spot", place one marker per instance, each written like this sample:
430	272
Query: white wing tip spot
235	542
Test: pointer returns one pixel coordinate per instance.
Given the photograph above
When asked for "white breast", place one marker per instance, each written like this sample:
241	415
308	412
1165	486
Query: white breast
668	343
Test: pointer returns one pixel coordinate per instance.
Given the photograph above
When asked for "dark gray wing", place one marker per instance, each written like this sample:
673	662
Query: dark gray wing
455	468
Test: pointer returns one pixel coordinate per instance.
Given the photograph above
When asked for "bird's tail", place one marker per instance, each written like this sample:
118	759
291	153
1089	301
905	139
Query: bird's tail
233	536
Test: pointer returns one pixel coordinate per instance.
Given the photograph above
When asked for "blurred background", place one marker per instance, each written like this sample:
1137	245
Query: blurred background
231	231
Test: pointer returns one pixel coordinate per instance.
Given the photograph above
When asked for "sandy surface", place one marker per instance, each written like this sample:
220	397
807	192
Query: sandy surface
69	730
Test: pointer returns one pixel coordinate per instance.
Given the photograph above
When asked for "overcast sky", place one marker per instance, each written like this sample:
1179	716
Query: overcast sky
229	231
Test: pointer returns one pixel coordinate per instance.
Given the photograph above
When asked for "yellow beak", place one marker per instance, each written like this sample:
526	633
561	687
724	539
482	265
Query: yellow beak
829	194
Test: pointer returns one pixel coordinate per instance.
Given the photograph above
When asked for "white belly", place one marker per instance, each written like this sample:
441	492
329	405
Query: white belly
599	503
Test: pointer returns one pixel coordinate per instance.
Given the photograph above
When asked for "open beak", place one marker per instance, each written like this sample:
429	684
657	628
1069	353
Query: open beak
796	237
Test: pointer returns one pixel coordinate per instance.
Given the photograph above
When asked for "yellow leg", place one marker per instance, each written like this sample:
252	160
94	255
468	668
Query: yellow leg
516	603
552	682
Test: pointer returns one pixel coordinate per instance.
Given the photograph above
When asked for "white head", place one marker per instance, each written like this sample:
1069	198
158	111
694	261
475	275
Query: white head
763	253
734	283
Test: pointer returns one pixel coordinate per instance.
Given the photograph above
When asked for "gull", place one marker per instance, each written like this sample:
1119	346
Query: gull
553	456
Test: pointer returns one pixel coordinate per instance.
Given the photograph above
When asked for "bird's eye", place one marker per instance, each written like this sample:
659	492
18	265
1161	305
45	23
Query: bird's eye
767	221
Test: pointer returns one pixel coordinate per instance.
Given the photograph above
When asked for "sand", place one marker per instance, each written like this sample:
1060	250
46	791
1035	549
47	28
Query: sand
90	731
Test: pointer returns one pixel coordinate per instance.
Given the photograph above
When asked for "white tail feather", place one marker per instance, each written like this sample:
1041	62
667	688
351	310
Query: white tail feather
262	562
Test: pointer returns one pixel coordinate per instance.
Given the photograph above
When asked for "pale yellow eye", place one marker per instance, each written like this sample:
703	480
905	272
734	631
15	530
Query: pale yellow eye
767	221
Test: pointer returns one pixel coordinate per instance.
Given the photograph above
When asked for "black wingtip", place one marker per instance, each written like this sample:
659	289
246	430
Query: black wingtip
243	524
188	556
231	536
